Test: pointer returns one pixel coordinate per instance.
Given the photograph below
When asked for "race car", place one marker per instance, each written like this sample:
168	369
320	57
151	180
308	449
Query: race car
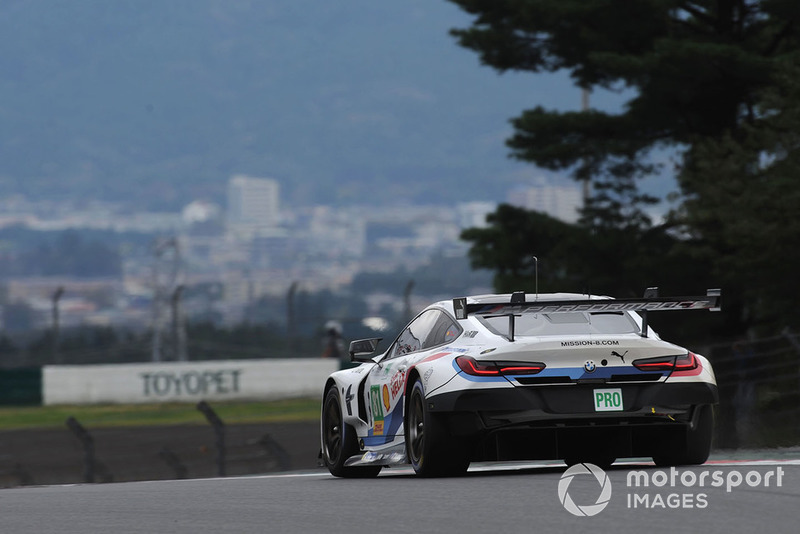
520	376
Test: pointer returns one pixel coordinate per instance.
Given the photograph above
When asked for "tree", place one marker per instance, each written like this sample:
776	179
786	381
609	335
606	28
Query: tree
616	261
711	78
751	228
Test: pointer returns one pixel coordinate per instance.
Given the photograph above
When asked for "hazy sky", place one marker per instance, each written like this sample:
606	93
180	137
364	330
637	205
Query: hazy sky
165	99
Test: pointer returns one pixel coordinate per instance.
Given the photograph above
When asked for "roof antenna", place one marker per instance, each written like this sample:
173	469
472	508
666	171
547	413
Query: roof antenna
536	271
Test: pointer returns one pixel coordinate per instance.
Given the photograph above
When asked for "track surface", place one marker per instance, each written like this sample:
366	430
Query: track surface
491	498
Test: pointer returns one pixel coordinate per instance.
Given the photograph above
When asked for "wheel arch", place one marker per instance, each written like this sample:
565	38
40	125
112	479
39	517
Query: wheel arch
411	378
328	383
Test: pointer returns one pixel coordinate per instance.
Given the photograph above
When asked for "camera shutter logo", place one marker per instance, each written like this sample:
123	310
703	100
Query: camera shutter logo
588	509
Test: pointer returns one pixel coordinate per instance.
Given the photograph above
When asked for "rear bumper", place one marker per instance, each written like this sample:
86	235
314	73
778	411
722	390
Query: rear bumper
558	422
569	401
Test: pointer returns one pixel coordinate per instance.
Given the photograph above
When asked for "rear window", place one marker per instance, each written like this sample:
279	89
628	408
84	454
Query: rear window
560	324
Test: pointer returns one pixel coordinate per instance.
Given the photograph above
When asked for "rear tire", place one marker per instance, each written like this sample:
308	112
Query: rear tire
432	451
694	450
339	441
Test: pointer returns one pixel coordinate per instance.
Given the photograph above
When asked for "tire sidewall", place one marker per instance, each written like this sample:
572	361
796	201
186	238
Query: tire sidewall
348	443
417	463
332	396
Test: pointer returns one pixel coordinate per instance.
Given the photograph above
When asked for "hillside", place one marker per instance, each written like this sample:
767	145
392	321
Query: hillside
154	102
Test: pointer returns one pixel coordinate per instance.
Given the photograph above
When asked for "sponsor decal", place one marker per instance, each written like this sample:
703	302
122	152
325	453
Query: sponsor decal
377	410
386	399
348	398
470	333
601	306
618	355
427	375
599	343
396	383
164	384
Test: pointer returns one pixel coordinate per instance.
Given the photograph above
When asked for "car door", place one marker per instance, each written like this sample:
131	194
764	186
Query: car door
385	383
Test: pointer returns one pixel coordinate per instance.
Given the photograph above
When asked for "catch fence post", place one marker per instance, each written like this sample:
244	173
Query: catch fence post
219	431
88	448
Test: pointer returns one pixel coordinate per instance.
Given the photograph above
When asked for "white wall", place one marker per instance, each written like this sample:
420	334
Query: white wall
185	382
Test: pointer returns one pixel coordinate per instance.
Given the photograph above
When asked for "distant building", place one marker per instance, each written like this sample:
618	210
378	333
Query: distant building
253	204
560	202
338	232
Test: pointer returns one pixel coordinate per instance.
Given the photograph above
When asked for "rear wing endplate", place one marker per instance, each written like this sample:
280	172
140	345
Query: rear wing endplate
651	302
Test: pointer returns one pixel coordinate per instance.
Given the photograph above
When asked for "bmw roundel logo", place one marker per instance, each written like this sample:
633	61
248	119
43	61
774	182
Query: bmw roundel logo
589	366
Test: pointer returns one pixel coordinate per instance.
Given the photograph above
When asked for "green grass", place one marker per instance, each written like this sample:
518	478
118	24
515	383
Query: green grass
114	415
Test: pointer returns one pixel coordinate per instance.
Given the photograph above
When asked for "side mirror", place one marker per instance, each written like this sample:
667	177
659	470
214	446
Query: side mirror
361	349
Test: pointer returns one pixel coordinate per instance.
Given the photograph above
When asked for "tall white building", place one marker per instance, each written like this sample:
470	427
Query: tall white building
253	203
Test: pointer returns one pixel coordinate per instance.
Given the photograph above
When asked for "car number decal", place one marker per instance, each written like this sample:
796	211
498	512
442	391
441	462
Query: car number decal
608	400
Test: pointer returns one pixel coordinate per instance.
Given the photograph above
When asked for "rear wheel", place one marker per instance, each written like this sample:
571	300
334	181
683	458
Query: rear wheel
431	449
339	441
695	448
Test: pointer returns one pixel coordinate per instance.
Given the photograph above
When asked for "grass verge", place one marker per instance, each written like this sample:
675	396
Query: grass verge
115	415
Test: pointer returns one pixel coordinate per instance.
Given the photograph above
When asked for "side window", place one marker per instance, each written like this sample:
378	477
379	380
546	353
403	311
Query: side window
406	343
430	329
444	331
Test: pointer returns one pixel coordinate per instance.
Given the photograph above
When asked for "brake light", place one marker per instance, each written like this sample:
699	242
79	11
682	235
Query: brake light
513	368
684	362
473	367
661	363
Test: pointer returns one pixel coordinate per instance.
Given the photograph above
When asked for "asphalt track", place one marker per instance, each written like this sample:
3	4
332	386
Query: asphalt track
491	498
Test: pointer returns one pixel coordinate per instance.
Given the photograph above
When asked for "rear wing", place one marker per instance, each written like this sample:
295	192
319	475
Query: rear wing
650	302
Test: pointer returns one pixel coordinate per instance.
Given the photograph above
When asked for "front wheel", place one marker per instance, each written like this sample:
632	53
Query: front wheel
339	441
431	449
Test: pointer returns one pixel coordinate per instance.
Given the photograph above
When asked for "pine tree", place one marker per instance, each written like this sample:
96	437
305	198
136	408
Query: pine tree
713	80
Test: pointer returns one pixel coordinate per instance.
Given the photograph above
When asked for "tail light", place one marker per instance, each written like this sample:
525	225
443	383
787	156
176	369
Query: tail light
661	363
684	362
520	368
476	368
473	367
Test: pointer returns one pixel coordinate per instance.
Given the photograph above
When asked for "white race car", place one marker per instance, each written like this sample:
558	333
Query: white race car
522	377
